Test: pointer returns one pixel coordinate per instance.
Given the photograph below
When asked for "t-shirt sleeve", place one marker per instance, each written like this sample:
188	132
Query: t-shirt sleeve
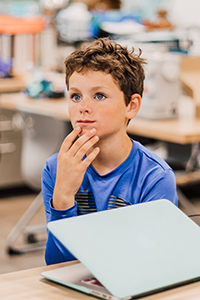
162	186
55	252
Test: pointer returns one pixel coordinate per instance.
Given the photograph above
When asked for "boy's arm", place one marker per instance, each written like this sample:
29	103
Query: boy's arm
60	182
55	252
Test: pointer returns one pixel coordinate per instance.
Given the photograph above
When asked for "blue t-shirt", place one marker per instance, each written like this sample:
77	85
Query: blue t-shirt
142	177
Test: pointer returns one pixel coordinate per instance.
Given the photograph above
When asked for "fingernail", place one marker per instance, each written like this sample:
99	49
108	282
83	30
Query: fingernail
96	137
78	128
93	130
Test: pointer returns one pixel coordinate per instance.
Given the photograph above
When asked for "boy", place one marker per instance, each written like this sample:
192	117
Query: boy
98	166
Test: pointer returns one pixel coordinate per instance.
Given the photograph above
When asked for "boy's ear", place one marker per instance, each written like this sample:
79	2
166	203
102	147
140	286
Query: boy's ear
133	106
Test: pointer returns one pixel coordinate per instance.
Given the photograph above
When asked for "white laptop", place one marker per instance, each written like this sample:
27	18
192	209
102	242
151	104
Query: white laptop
129	252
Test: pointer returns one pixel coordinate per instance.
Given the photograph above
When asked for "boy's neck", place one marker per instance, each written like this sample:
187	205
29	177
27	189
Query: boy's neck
112	154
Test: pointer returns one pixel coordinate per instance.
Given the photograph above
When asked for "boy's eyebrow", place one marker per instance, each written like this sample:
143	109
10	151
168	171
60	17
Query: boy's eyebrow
98	87
74	88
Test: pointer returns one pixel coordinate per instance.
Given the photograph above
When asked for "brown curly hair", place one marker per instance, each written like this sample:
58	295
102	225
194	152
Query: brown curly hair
110	57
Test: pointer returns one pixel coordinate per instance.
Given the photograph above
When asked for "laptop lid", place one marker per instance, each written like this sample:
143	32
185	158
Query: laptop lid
134	250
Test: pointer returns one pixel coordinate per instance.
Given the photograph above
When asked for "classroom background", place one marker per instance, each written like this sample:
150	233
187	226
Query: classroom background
35	38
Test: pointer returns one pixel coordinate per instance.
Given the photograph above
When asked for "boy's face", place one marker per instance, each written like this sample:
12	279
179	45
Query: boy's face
95	101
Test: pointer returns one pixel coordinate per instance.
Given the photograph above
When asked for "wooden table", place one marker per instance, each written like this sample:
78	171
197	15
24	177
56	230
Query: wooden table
29	284
51	107
181	131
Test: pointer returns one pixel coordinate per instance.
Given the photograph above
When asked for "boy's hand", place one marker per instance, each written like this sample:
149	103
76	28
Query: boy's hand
71	168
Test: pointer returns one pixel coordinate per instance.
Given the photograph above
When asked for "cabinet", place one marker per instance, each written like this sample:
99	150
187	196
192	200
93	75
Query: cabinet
10	148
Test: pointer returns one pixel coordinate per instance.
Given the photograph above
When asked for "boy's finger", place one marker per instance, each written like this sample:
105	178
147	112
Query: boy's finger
89	144
68	141
89	159
81	141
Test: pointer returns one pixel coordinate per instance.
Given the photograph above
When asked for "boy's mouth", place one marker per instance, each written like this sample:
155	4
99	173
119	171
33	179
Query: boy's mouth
85	122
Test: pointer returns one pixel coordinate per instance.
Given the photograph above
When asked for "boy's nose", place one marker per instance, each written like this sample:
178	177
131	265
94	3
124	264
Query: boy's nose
85	105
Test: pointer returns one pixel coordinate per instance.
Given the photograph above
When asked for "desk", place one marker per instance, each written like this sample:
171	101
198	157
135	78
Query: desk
28	284
51	107
181	131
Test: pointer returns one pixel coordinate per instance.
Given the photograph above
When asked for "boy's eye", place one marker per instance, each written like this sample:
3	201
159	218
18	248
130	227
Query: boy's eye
100	96
75	97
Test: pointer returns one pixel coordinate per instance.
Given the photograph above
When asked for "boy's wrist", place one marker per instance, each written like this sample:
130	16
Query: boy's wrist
63	203
60	214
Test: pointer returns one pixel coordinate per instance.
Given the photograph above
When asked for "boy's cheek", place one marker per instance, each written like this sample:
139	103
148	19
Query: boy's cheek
71	111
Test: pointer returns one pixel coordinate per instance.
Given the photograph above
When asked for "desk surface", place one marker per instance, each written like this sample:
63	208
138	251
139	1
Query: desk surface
29	284
182	131
53	107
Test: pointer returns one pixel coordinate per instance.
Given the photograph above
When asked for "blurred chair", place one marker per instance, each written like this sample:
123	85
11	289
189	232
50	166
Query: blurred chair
185	161
42	136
